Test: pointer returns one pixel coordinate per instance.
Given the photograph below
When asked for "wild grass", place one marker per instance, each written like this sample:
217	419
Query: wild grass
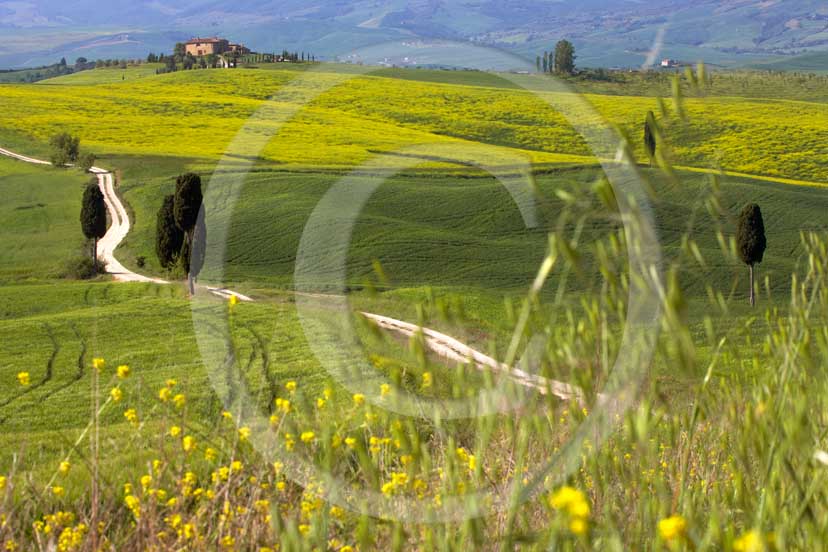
39	217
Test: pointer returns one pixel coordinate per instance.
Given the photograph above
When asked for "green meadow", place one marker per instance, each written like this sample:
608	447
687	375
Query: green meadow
728	414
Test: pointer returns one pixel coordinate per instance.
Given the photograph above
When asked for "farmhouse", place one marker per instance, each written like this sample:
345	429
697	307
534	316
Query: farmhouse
205	46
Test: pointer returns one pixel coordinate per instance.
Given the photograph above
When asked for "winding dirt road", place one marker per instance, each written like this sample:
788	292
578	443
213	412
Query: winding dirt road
439	343
117	231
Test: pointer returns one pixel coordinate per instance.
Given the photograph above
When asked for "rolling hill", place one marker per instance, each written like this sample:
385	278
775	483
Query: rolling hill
605	32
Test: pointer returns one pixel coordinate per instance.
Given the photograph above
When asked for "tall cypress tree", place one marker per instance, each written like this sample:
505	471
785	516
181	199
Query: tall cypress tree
193	255
649	135
187	204
751	241
93	217
168	236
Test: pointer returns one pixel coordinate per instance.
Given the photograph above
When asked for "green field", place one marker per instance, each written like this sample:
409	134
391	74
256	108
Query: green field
723	432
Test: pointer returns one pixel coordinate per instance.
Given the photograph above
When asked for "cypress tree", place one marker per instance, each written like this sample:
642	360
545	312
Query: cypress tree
750	240
187	204
168	236
192	257
93	217
649	135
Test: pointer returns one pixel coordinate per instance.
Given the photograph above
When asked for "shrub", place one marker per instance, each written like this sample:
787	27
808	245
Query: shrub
82	268
67	144
86	161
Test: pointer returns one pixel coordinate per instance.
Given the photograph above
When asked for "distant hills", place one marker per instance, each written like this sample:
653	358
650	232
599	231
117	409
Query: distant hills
605	32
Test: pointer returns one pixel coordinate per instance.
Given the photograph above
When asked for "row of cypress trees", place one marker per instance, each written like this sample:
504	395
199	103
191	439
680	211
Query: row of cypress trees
180	232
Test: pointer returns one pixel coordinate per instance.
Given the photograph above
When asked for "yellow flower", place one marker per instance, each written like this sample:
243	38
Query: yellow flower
64	467
123	371
320	403
2	482
116	394
752	541
427	380
233	300
180	400
244	433
164	394
58	491
210	454
24	378
359	399
346	548
578	526
171	382
385	390
283	405
304	529
134	505
175	431
98	364
307	436
350	442
291	386
189	444
569	500
672	528
227	415
132	416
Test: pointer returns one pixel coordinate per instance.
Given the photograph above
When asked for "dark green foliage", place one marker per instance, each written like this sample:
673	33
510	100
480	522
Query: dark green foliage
649	135
186	210
198	249
564	60
192	255
86	161
187	202
168	236
750	240
66	147
59	158
93	215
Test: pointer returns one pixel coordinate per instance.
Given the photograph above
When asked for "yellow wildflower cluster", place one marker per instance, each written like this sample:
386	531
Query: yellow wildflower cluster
755	541
574	504
672	529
